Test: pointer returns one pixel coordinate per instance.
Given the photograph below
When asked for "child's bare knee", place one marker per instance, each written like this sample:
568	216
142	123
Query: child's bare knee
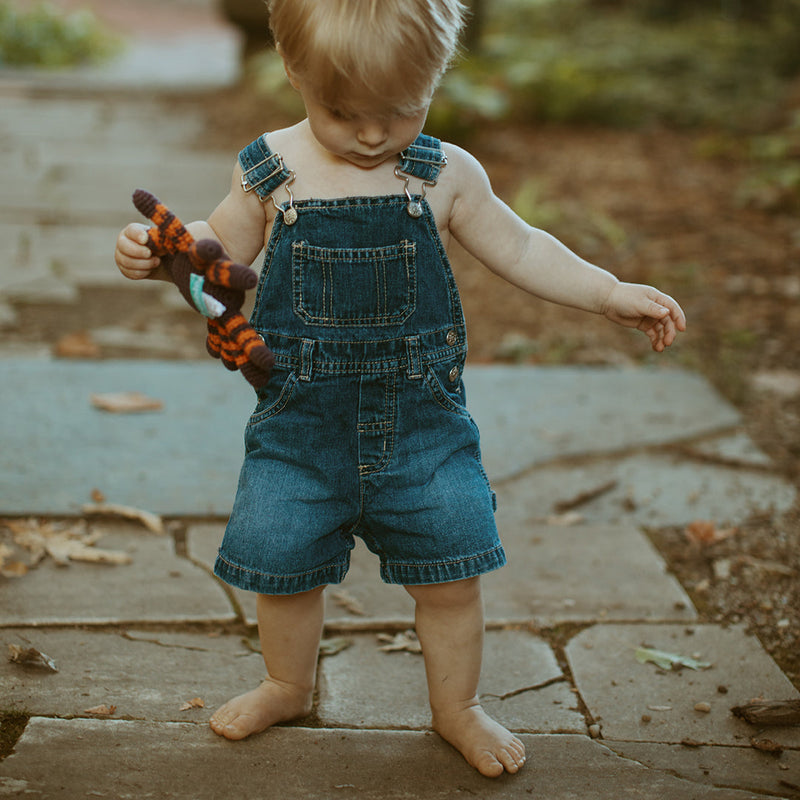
447	595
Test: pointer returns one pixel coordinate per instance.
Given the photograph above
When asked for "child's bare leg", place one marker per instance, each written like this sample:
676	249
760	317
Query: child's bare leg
289	627
449	620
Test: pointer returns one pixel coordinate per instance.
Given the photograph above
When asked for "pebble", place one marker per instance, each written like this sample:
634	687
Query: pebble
704	707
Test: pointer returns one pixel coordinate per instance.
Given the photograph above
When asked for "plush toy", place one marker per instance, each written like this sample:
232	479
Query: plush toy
213	285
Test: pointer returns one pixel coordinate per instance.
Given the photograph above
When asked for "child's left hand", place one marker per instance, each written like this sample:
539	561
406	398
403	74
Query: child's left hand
645	308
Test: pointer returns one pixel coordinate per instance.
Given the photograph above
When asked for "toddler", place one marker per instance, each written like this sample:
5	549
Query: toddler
362	429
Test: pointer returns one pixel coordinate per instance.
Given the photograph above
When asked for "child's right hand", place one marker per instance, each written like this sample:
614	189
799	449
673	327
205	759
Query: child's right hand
132	255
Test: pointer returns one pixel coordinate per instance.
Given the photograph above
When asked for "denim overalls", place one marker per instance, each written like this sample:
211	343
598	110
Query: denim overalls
362	429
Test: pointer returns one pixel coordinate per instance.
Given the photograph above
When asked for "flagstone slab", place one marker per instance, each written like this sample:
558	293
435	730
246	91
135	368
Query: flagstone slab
158	586
115	759
582	573
147	675
720	766
182	460
364	687
532	415
652	490
643	703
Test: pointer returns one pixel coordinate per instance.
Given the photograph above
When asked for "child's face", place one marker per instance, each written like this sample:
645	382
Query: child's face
363	137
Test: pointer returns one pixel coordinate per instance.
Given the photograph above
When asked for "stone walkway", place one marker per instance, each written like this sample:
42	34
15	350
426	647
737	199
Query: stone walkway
565	618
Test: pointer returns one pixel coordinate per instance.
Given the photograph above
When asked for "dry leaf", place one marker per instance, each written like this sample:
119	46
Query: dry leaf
330	647
195	702
400	641
151	521
77	345
704	532
97	496
125	402
101	711
63	543
344	599
10	569
30	657
668	660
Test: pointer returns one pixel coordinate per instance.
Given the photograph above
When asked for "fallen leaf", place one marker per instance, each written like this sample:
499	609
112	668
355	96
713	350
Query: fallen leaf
125	402
30	657
330	647
10	569
77	345
97	496
407	641
63	543
151	521
101	711
344	599
704	532
668	660
195	702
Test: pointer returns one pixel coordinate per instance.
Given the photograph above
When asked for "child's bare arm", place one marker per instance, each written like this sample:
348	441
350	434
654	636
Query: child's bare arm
538	263
238	223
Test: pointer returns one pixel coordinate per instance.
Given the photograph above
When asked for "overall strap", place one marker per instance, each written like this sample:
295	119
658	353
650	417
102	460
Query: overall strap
262	170
424	159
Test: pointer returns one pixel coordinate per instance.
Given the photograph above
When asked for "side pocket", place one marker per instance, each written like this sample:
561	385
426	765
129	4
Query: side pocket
450	400
273	399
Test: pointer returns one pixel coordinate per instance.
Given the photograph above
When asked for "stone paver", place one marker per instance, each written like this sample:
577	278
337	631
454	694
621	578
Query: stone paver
363	687
129	759
182	460
548	414
619	691
720	766
145	675
557	574
157	586
652	490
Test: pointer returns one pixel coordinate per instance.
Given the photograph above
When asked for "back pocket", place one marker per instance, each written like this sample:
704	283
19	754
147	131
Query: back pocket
336	287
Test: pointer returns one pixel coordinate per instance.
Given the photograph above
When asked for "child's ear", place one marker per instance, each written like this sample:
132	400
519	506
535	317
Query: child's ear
286	68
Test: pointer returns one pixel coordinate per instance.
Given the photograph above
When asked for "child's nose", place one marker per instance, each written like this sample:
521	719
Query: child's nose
373	133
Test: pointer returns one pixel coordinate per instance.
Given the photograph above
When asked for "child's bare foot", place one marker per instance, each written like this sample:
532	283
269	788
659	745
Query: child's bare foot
484	743
256	711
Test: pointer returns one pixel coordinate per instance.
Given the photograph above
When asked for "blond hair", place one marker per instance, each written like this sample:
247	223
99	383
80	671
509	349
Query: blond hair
391	53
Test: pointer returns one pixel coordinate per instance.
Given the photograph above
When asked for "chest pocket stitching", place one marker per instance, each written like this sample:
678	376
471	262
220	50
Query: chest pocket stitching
335	287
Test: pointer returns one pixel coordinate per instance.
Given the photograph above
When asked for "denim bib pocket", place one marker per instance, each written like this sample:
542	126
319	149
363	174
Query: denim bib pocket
337	287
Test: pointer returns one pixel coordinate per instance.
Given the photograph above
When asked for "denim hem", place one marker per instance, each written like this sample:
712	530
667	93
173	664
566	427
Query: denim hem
419	573
264	583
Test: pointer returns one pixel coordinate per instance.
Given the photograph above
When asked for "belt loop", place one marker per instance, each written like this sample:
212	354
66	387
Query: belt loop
306	359
414	368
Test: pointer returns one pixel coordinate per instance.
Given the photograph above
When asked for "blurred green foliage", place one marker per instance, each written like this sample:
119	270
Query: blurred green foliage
624	63
45	36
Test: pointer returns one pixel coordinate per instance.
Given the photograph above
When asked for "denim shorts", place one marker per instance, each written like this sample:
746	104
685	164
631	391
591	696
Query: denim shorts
392	459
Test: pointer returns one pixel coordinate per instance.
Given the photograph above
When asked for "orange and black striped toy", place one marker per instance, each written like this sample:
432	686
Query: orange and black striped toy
213	285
